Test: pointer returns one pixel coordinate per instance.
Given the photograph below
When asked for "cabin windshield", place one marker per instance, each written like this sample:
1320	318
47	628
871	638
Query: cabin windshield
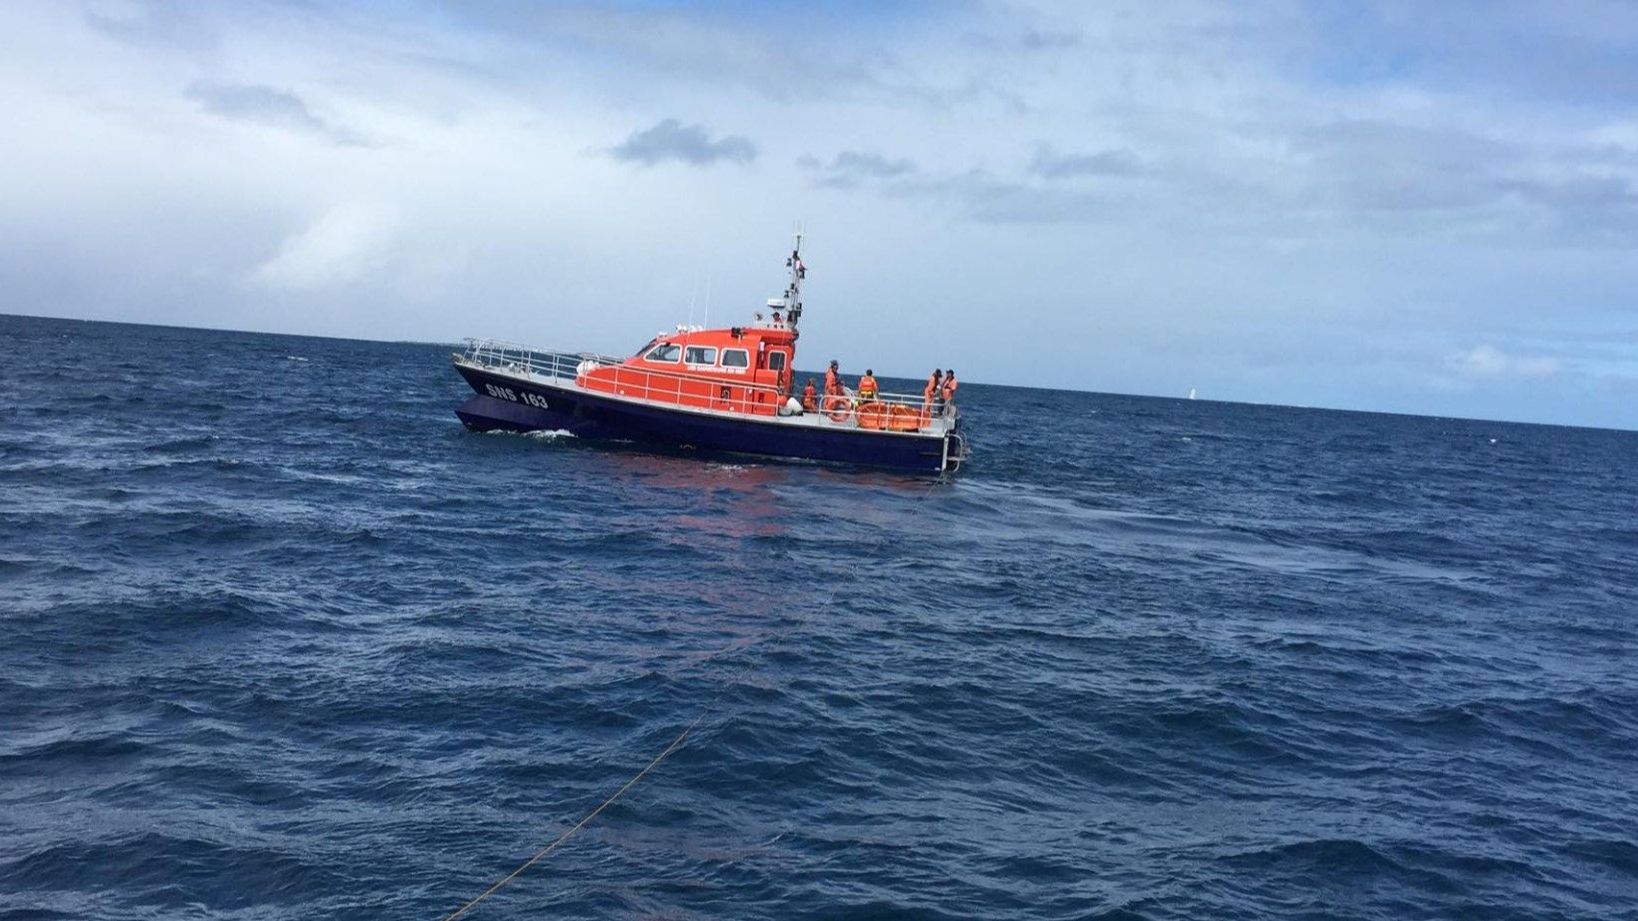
665	351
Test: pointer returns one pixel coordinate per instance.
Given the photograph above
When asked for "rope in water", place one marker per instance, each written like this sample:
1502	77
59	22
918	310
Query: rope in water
677	742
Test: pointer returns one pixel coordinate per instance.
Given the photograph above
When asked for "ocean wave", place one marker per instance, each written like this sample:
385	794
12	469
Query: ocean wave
1305	665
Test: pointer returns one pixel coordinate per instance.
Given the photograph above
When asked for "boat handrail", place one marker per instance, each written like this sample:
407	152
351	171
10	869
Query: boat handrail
541	362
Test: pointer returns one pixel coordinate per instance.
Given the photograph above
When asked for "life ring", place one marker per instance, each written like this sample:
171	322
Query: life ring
837	408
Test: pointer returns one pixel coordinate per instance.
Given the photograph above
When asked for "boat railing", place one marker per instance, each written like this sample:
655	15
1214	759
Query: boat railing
508	356
892	411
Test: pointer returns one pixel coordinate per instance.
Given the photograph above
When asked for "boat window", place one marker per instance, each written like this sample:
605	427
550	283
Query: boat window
665	351
736	358
776	360
700	355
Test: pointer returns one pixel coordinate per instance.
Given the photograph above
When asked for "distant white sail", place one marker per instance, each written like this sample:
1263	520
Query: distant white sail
1191	393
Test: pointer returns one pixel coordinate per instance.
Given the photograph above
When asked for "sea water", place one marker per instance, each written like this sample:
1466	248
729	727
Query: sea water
280	639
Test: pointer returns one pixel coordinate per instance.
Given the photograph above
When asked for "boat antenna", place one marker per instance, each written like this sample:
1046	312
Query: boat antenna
793	292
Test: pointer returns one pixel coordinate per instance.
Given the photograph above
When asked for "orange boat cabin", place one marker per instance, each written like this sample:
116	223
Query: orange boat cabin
746	369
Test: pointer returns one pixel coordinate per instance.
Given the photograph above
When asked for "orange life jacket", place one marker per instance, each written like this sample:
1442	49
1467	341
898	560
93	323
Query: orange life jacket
949	389
867	387
810	399
833	384
931	388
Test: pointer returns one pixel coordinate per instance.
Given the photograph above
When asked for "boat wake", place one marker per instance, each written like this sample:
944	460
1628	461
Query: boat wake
538	434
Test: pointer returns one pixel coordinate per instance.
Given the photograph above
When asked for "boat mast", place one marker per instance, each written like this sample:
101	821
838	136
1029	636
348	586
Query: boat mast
793	291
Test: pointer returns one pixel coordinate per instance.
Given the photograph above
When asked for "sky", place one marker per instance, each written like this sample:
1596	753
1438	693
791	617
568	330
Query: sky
1394	206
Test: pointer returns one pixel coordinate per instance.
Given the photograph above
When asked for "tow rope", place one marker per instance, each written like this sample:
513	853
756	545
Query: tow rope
677	742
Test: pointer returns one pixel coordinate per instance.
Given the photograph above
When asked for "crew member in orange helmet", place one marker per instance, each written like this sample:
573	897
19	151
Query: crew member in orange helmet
833	380
810	398
932	390
867	385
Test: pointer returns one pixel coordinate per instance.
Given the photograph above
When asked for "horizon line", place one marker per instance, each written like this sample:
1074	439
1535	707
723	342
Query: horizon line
1143	396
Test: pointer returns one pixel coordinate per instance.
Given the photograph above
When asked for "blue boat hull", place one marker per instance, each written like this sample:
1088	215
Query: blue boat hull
507	403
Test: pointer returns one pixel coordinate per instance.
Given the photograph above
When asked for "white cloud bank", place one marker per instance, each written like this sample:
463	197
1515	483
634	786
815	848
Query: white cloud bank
1486	361
344	246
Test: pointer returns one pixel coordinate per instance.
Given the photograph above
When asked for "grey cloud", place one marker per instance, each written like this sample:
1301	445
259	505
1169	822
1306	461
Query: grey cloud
851	167
1028	41
699	45
1569	53
1585	207
1624	386
692	144
1353	171
1381	169
979	193
267	106
1378	166
1038	40
157	25
1048	164
995	200
983	195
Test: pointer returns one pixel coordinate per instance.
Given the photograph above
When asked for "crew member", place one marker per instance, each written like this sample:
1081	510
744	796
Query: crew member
810	398
867	385
949	386
933	393
833	380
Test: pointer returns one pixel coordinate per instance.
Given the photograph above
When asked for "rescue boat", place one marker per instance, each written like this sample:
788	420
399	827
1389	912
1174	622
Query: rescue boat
718	390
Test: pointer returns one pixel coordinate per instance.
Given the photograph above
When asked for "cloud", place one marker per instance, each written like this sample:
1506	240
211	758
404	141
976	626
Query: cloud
978	193
160	25
1486	361
1335	179
1385	166
346	245
851	167
1624	386
1048	164
1290	177
692	144
785	52
267	106
1040	40
1031	40
1593	208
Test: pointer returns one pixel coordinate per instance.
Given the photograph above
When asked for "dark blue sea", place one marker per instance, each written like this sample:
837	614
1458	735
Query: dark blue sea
280	639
